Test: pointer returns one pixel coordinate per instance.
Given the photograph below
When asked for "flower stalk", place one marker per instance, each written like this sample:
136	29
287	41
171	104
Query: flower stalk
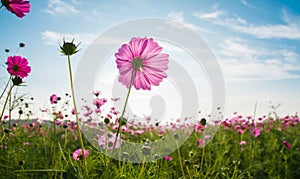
124	108
5	87
76	115
6	100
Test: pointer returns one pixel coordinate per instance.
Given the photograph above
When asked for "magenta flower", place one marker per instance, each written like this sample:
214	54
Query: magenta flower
18	7
288	145
99	102
168	158
54	99
142	58
18	66
256	132
77	154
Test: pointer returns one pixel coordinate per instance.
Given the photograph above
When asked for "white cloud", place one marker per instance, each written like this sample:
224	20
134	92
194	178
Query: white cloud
210	15
61	7
179	17
54	38
289	29
241	61
245	3
237	47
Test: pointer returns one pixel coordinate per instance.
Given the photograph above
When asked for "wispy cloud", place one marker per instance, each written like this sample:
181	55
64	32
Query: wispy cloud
62	7
54	38
289	29
179	17
209	15
245	3
240	61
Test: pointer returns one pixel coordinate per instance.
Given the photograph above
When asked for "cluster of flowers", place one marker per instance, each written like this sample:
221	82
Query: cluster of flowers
255	127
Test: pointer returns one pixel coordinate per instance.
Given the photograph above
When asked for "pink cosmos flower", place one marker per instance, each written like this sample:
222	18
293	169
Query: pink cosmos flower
99	102
18	66
53	99
168	158
139	132
18	7
288	145
78	153
256	132
200	142
106	141
243	143
142	58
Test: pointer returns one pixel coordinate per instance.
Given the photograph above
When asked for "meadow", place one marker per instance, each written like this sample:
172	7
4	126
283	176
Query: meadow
31	147
242	148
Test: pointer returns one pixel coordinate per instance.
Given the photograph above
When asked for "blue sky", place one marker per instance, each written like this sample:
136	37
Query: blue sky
257	43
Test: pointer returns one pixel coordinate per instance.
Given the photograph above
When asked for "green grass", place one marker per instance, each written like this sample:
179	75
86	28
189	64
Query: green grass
49	155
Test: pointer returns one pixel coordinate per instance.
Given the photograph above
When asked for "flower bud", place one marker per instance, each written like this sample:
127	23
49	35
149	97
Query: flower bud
69	48
21	45
17	81
203	122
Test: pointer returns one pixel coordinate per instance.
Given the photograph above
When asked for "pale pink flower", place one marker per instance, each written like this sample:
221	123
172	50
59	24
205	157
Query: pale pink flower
89	111
243	143
106	141
77	154
200	142
115	99
143	57
139	132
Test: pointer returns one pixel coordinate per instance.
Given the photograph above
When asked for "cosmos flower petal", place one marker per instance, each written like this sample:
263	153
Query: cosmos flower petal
141	81
159	61
151	68
125	78
151	49
137	46
22	69
18	7
124	53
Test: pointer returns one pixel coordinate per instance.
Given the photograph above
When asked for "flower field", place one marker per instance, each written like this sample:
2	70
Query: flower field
71	141
268	148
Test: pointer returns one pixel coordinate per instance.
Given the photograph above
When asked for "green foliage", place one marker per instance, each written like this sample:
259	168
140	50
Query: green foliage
36	151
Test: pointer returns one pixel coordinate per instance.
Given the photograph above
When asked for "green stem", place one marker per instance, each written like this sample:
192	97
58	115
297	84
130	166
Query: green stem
180	160
123	112
76	115
202	159
5	87
9	109
7	97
